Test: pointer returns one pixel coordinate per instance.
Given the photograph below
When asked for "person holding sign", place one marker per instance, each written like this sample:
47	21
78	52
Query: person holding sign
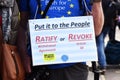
38	9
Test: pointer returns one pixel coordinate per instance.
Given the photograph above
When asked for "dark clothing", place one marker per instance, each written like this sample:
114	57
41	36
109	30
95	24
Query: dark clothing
75	72
109	10
110	13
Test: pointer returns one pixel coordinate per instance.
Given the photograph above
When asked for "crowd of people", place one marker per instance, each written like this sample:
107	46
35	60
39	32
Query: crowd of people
106	16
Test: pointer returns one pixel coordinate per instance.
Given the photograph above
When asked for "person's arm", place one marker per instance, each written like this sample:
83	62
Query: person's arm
22	37
98	16
21	40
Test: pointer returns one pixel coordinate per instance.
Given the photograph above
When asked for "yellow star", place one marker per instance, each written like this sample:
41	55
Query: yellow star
69	12
47	17
42	12
71	5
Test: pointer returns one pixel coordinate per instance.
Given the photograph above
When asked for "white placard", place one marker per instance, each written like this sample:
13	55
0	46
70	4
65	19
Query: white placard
62	40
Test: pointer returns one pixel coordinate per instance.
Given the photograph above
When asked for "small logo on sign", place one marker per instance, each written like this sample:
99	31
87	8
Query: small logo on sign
49	57
64	57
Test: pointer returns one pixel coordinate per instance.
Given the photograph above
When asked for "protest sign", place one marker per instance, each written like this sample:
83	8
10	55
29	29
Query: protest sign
62	40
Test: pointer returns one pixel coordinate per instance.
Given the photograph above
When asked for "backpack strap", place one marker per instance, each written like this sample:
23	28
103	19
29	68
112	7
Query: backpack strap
46	9
39	7
83	6
80	4
28	6
87	11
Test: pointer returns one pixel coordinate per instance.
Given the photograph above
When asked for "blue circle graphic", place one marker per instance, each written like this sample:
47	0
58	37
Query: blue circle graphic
64	57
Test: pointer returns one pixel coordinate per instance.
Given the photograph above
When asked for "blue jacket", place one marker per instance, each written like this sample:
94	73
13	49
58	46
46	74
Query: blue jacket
59	8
